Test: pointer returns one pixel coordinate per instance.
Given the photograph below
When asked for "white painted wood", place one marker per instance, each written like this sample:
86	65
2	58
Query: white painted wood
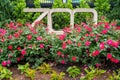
49	12
40	18
36	9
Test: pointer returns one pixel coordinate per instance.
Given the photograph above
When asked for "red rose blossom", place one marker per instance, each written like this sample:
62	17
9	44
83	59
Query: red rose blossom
62	61
10	37
79	44
10	47
16	35
29	37
115	44
115	60
109	42
39	38
102	46
109	55
107	26
4	63
23	52
87	43
62	37
69	41
41	46
97	65
74	58
78	29
18	48
67	30
58	53
95	53
8	62
62	55
64	45
86	35
18	59
104	31
82	38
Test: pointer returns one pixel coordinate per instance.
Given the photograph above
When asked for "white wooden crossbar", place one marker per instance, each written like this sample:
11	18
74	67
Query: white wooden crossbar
49	12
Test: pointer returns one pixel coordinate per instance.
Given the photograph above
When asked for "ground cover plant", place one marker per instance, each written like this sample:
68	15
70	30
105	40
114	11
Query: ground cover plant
73	71
92	73
5	73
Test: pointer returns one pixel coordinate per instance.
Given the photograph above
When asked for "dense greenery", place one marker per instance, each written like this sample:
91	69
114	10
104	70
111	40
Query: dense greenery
9	10
6	10
115	12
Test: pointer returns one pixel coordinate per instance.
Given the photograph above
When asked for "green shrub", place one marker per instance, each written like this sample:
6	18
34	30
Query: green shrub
102	7
114	12
23	17
89	44
61	20
83	17
6	10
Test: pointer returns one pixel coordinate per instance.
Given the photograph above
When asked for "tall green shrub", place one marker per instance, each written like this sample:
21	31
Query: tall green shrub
102	7
115	12
60	20
5	11
83	17
23	17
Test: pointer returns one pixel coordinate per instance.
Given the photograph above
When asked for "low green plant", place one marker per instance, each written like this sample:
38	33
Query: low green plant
73	71
115	75
30	73
91	73
45	68
5	73
23	68
56	76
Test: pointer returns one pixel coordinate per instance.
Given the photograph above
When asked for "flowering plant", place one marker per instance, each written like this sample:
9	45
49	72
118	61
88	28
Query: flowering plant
23	42
88	43
85	43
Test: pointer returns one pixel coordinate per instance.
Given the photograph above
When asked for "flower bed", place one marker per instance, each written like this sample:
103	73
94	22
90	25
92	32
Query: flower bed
89	44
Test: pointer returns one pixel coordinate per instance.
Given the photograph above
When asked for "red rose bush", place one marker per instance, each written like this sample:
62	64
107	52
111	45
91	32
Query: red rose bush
89	44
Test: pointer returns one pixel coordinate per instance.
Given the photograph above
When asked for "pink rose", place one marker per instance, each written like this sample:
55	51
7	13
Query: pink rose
4	63
87	43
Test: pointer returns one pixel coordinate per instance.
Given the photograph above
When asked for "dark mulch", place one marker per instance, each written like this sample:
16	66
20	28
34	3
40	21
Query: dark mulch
62	68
